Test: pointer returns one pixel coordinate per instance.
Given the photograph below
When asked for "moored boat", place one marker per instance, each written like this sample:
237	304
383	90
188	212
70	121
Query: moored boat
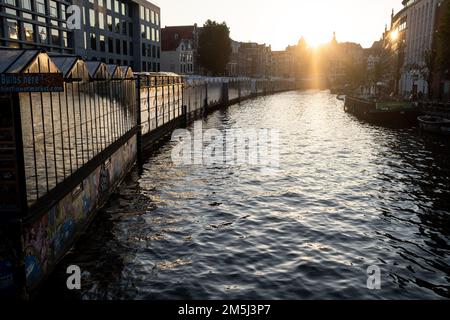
388	113
434	124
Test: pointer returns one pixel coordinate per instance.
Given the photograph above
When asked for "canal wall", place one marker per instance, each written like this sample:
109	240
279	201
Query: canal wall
68	138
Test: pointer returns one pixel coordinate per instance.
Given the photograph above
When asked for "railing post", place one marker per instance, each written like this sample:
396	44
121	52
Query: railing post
225	94
206	98
156	82
139	123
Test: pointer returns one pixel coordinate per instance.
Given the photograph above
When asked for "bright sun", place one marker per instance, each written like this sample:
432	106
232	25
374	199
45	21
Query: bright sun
317	37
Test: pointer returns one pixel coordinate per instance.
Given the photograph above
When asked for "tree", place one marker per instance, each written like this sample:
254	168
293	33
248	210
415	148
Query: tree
443	39
214	47
428	69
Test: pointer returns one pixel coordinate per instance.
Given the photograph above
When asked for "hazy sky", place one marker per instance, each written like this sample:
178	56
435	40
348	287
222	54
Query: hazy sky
282	22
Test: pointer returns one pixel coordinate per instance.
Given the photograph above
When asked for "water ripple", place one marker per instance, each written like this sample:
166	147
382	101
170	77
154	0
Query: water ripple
348	195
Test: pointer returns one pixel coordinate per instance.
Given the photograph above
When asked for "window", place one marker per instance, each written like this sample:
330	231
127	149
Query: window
109	22
117	22
26	4
108	4
142	14
63	12
157	35
55	37
102	43
152	17
110	45
93	42
101	21
147	34
11	2
13	29
27	16
124	28
28	31
153	35
144	50
124	9
131	48
125	47
40	6
143	31
118	46
130	29
42	34
53	9
92	17
65	40
100	3
147	14
157	19
116	6
11	12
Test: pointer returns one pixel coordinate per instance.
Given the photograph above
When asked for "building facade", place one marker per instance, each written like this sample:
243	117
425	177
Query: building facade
411	37
233	65
283	64
124	32
255	60
340	58
179	49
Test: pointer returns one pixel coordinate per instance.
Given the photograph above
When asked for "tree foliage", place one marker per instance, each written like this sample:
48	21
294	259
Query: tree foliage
214	49
355	74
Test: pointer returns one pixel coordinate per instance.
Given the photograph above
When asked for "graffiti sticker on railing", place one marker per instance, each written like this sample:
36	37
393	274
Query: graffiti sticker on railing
31	82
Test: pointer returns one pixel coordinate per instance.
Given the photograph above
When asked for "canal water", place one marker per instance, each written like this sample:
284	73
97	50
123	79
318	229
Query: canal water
347	196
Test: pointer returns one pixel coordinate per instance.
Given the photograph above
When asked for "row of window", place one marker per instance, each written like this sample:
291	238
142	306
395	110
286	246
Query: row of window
149	16
55	9
36	18
104	44
24	31
151	51
121	27
120	7
149	33
151	66
187	68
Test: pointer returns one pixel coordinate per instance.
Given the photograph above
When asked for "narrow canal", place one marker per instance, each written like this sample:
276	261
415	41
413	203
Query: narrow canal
348	195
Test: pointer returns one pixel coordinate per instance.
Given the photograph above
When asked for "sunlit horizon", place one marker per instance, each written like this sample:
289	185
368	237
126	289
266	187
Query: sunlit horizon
283	22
